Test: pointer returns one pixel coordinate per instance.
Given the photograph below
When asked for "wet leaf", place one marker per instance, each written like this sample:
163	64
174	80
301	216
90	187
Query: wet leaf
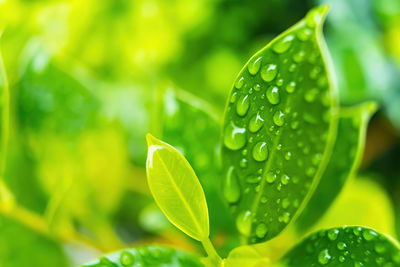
155	256
344	162
345	246
279	129
176	189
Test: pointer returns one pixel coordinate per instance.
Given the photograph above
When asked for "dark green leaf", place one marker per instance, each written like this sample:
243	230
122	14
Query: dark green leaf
346	246
345	159
279	129
155	256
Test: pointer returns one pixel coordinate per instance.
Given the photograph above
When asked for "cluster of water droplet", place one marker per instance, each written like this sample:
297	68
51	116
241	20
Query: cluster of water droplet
347	246
262	105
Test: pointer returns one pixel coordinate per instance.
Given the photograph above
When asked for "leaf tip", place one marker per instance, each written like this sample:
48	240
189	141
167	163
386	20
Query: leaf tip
151	140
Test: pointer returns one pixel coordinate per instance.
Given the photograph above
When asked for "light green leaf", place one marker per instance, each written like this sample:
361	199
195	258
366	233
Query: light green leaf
176	189
345	246
344	162
155	256
279	129
248	256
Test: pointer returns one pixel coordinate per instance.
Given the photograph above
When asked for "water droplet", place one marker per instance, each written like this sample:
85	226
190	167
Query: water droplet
242	106
254	66
324	257
234	137
243	163
253	179
261	230
239	83
285	203
380	248
291	87
314	17
333	234
292	67
255	124
288	155
311	94
299	56
285	179
268	72
273	95
263	199
294	125
231	186
279	118
304	34
279	82
310	171
233	97
270	177
283	44
126	258
285	217
260	151
341	246
314	72
257	87
243	222
369	235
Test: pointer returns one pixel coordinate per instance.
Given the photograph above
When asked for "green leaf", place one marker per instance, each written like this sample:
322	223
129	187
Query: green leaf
344	162
279	128
248	256
176	189
155	256
345	246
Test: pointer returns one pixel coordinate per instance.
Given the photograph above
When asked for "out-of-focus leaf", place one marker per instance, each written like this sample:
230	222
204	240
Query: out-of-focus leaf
279	129
155	256
247	256
344	161
361	202
176	189
345	246
20	246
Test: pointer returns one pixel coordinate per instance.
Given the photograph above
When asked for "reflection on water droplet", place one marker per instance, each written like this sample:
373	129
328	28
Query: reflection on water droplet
268	72
254	66
283	44
270	177
299	56
279	118
273	95
242	106
261	230
233	97
260	151
239	83
291	87
304	34
231	186
243	222
311	94
256	122
324	257
333	234
234	137
126	258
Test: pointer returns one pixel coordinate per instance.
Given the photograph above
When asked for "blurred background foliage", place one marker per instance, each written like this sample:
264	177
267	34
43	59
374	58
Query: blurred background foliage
88	79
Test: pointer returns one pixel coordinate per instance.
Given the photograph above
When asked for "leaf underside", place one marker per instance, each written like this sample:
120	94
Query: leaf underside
279	128
156	256
344	161
345	246
176	189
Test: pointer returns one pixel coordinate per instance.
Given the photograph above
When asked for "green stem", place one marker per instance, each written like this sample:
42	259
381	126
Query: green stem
213	257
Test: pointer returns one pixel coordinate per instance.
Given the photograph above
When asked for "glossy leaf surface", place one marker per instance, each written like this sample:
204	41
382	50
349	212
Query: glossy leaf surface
345	159
346	246
279	128
155	256
176	189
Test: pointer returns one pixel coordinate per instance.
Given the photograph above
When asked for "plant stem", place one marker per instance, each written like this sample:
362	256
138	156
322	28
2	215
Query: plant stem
212	254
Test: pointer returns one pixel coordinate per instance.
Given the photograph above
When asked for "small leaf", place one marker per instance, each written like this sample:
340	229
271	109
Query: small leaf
345	159
248	256
346	246
155	256
280	115
176	189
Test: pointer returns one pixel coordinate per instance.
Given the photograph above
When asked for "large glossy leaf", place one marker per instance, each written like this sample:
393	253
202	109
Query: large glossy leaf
279	128
155	256
345	159
176	189
346	246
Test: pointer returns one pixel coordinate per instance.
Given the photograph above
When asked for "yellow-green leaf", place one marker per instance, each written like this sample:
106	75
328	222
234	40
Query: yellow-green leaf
176	189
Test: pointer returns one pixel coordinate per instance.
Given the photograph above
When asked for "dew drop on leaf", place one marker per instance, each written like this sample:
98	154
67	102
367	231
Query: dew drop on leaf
243	222
243	104
254	66
231	187
256	122
234	137
260	151
273	95
268	72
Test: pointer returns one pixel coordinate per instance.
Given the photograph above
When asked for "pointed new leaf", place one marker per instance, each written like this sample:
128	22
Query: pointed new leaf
176	189
346	246
155	256
345	159
279	129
